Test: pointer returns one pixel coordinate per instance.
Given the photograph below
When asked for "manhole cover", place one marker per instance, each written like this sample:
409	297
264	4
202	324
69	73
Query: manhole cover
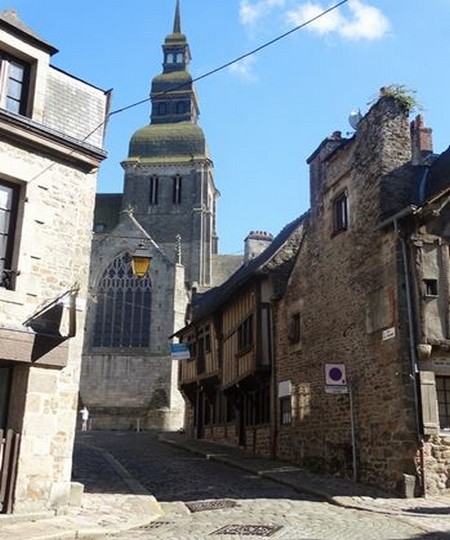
200	506
248	530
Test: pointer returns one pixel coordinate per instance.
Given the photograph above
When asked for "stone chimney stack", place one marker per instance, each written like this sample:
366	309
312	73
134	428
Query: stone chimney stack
255	243
421	140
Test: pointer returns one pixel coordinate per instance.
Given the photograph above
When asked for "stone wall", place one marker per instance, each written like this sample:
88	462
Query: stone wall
46	159
120	390
348	287
56	213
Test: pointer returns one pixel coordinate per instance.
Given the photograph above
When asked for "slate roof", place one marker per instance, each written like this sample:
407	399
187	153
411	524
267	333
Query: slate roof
11	19
438	179
278	257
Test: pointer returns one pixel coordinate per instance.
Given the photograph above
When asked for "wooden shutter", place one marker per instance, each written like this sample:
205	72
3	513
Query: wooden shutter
430	417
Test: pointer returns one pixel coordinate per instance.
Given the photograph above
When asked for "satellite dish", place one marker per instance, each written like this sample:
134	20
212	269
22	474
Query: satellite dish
354	119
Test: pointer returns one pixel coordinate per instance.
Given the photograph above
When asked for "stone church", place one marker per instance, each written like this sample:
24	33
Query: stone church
168	207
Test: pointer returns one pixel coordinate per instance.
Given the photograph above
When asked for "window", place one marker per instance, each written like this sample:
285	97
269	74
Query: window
294	331
431	287
245	334
285	410
443	399
176	195
154	185
340	213
180	58
181	107
162	108
9	199
14	81
257	406
123	307
203	348
170	58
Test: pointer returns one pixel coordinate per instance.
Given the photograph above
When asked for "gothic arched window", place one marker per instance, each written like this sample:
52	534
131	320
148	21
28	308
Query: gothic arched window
123	307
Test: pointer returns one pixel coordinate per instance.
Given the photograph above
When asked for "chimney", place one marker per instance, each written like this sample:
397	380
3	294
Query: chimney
421	140
255	243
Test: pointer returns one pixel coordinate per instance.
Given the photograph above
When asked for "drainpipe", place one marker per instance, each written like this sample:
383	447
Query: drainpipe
273	390
412	352
410	210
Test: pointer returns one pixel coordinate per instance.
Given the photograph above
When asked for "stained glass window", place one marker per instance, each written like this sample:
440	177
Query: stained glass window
123	307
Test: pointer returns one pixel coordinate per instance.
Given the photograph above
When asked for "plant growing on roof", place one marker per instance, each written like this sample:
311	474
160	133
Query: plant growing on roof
401	93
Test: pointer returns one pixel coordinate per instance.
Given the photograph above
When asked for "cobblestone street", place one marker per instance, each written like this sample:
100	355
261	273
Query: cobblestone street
203	498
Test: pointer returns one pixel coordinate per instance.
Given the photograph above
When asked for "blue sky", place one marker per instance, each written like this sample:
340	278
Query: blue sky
265	116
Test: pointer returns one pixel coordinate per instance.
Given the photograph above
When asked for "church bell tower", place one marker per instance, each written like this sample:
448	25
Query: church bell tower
169	175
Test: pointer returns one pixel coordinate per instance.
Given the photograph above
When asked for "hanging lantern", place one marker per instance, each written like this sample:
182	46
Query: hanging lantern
140	261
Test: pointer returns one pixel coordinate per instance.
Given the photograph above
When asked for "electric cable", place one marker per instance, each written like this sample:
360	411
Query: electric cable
204	76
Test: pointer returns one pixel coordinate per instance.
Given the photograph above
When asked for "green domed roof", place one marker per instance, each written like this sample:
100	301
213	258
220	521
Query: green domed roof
176	37
177	140
172	80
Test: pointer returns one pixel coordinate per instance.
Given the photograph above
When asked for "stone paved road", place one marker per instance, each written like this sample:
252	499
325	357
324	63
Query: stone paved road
254	507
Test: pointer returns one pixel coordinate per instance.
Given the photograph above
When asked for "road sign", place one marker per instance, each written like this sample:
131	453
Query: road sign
335	375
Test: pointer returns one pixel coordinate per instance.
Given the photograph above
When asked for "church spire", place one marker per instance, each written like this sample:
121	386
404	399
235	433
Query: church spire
177	19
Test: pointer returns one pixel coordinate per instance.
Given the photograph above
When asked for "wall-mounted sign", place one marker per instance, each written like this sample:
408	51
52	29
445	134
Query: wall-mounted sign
335	374
389	333
284	389
335	379
180	351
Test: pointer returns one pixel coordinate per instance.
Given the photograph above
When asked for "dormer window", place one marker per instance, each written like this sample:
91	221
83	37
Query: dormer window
14	82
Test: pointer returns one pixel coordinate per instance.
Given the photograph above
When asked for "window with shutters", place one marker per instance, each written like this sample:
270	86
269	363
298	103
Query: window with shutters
429	402
14	84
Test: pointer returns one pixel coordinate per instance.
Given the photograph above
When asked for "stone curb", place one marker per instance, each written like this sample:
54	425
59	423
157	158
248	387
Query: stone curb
342	501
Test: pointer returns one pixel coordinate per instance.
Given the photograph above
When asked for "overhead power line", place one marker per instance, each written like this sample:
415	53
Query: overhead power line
239	58
207	74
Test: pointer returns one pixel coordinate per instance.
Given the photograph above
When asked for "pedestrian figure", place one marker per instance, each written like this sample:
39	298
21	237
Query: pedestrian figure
84	418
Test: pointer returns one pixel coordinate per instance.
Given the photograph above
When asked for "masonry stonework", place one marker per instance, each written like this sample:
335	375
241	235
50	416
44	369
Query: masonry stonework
45	284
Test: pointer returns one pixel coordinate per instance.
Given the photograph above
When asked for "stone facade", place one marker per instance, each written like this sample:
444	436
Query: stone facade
169	184
48	165
354	289
359	374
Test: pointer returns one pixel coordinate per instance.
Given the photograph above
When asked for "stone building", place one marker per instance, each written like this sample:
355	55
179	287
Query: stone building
359	367
129	379
50	151
366	310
